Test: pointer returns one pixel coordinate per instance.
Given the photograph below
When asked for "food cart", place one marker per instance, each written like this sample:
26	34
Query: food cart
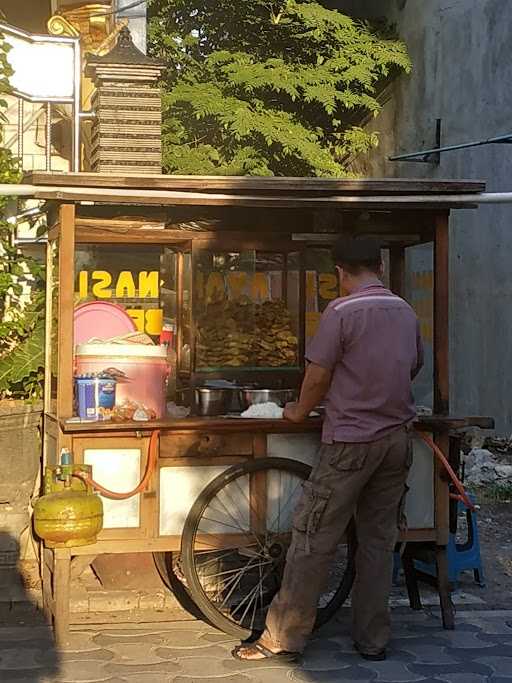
240	267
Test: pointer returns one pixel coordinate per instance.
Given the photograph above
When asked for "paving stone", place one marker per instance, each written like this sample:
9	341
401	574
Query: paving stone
135	653
322	677
326	662
14	659
465	667
207	652
205	666
339	643
146	678
108	639
353	673
492	626
81	672
233	665
265	675
502	666
424	653
119	669
464	678
463	640
392	671
237	678
217	637
497	650
98	655
185	639
80	642
323	657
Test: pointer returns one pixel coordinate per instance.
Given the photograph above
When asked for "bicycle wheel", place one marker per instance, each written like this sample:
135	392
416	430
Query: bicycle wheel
235	541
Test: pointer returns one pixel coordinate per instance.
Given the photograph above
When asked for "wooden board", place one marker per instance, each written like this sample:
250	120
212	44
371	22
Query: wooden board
278	200
218	424
368	186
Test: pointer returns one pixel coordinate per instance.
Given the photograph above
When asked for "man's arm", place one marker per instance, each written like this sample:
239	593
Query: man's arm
315	386
323	352
420	354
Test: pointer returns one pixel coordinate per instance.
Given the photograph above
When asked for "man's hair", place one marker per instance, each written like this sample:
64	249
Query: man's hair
357	255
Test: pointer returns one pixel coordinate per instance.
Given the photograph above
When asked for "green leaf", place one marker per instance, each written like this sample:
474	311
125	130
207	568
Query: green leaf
254	87
24	359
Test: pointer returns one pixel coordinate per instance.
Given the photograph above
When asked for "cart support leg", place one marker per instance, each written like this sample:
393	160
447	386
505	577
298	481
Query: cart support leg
61	591
47	580
411	580
443	584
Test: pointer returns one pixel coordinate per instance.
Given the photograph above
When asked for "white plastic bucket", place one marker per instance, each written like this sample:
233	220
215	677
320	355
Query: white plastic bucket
145	367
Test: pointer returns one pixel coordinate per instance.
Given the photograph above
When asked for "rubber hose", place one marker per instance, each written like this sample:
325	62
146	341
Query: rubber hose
463	496
150	468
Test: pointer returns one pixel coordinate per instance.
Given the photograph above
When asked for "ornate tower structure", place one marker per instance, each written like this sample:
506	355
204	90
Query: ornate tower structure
126	133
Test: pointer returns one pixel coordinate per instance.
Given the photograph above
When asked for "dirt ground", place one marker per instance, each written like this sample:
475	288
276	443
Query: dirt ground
495	530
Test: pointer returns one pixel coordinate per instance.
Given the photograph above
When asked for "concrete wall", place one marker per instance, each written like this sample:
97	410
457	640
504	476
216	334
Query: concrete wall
462	74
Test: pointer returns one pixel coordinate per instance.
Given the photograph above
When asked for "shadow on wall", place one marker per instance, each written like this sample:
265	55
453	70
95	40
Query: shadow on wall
27	648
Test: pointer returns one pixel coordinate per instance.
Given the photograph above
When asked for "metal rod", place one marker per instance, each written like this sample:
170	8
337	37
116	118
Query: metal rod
21	131
75	154
500	139
48	136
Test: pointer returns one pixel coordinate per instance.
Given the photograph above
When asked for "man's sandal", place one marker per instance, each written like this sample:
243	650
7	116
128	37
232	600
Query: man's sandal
253	648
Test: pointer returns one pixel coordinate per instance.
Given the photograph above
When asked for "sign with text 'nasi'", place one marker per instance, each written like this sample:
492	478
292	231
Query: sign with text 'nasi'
138	293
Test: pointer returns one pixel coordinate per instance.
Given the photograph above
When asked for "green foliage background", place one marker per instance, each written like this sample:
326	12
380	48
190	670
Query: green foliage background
261	87
21	310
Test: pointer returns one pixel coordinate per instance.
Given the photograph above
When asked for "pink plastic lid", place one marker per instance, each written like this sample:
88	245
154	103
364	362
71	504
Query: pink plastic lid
100	320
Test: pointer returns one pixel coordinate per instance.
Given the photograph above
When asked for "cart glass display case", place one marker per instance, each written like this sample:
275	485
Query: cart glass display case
246	310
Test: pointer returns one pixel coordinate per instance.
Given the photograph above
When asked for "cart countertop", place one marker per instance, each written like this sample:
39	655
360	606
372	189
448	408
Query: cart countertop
239	424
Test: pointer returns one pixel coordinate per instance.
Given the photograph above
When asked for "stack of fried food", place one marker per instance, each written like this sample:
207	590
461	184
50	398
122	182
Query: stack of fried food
241	333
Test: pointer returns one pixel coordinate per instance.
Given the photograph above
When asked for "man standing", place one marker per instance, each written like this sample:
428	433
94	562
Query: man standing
362	360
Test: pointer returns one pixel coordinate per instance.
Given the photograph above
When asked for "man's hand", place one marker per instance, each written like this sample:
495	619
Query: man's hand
294	413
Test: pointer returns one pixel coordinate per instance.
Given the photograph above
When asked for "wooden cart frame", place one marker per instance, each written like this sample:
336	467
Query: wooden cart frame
85	208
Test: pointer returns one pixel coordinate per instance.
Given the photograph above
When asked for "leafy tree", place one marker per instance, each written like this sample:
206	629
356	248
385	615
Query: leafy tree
21	284
267	87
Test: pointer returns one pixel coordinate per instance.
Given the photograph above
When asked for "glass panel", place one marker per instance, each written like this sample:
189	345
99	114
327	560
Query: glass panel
123	274
322	286
247	312
420	294
185	314
169	287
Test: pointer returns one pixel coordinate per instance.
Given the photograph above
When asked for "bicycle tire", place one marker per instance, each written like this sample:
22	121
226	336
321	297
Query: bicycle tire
195	588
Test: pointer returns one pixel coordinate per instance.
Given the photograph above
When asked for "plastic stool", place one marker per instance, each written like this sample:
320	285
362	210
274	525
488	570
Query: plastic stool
397	562
461	556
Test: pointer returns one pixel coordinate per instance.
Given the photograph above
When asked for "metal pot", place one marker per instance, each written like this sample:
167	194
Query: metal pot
211	402
249	397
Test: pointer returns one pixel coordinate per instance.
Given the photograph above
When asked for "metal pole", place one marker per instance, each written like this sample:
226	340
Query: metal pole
21	123
48	136
75	154
501	139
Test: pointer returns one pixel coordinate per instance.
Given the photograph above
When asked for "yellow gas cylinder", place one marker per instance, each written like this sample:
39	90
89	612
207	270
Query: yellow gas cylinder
70	514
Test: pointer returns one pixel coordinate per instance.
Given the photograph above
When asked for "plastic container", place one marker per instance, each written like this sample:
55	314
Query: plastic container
101	319
145	368
94	395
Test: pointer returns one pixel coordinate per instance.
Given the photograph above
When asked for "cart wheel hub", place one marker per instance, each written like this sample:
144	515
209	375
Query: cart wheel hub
276	551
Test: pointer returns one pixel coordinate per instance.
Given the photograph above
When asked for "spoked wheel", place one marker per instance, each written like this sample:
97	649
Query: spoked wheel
235	541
